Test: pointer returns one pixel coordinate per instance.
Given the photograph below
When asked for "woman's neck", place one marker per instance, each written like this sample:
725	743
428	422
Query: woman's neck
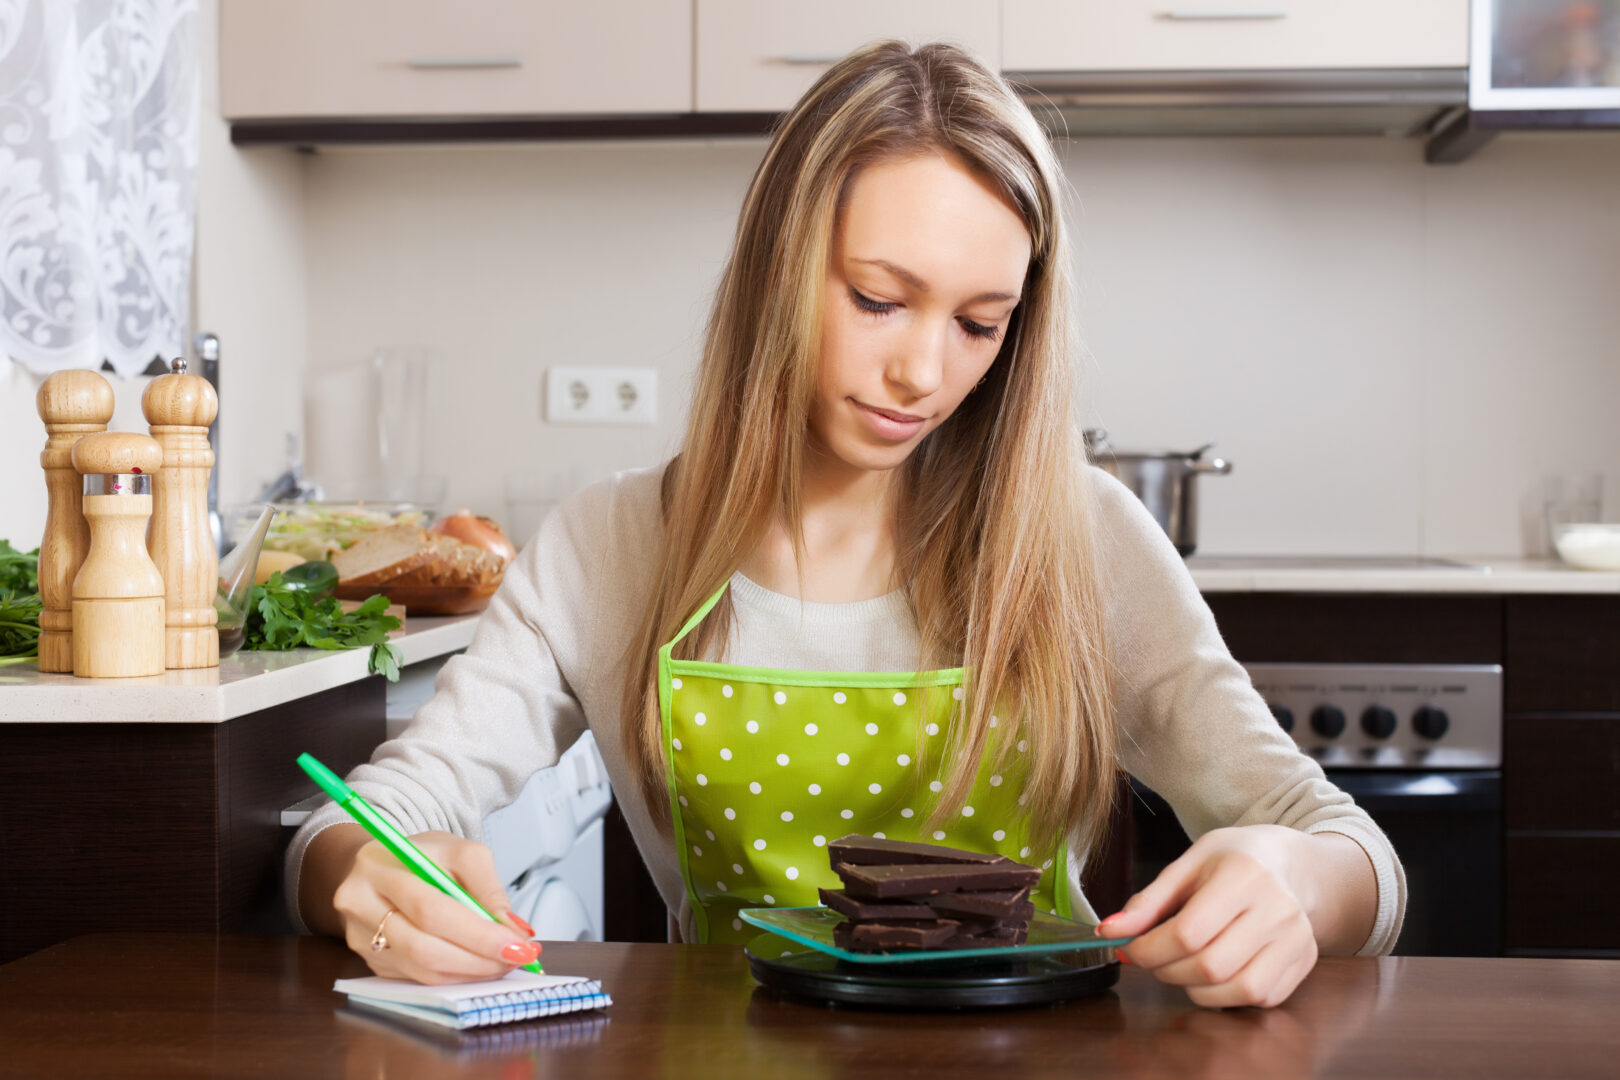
849	541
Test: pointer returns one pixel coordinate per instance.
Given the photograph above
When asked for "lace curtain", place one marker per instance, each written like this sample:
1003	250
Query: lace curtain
98	168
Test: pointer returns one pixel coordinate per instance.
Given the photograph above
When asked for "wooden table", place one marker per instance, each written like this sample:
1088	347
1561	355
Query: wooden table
181	1005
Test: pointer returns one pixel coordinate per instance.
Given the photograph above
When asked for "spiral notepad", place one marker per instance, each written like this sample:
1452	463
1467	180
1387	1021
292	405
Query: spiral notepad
521	995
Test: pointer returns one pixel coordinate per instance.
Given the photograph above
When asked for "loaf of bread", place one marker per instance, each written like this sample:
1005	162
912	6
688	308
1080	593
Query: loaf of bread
407	555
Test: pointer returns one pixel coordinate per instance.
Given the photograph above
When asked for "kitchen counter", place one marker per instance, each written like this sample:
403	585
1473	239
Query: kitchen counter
246	682
1316	574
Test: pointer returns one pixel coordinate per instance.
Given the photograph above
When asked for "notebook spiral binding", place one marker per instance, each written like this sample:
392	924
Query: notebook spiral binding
528	1004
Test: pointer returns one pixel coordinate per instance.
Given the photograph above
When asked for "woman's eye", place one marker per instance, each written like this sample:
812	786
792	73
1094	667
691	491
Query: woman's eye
979	330
866	303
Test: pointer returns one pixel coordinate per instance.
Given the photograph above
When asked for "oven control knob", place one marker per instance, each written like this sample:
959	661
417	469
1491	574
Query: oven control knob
1284	715
1379	721
1327	721
1430	722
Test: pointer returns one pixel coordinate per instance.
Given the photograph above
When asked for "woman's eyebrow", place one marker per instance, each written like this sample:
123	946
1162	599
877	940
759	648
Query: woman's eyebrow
922	286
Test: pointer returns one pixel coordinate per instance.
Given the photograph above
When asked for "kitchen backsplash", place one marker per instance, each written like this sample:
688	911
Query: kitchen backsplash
1393	355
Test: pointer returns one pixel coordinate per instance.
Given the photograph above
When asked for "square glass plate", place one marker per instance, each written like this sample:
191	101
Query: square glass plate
813	926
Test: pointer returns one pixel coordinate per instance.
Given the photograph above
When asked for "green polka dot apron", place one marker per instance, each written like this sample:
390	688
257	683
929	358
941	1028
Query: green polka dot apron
765	766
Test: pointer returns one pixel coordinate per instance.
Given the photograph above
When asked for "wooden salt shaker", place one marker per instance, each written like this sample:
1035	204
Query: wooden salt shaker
118	594
73	404
180	407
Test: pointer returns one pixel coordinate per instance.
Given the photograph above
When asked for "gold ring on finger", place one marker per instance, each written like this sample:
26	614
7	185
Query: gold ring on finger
378	941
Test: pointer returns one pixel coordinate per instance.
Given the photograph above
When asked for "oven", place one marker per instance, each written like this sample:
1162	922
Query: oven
1419	747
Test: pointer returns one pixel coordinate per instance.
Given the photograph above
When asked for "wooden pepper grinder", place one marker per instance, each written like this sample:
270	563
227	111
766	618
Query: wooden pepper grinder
180	407
118	594
73	404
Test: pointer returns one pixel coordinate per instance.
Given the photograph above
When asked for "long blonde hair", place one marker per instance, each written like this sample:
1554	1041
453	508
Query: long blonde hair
993	527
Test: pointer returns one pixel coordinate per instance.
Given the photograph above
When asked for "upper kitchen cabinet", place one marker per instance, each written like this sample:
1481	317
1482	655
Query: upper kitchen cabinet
356	60
1237	35
755	56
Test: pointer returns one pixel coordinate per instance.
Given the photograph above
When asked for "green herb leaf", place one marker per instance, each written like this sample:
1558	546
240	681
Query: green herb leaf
20	604
19	570
385	660
285	616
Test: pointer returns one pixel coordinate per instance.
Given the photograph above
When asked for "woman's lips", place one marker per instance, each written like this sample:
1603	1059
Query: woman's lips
889	424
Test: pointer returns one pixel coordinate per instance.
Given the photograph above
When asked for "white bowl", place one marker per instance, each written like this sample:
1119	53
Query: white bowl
1588	545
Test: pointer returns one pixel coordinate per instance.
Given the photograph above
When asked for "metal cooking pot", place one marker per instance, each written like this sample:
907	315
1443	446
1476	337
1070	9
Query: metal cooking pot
1165	482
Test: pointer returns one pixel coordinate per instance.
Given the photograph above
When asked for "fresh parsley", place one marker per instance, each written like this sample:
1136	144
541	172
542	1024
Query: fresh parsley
19	570
285	615
19	604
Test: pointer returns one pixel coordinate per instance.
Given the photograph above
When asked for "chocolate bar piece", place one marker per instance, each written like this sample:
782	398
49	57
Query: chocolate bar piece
1007	904
1000	939
927	879
882	936
857	850
862	911
971	925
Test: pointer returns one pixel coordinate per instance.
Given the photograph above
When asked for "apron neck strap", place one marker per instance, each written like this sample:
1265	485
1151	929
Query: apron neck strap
697	617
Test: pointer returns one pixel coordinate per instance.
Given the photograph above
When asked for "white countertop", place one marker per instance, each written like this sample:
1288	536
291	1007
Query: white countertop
243	683
1299	574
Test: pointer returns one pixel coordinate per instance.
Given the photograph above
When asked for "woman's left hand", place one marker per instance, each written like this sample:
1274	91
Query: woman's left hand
1225	920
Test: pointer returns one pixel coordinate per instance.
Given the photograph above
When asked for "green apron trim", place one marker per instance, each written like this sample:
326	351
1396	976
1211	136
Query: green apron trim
942	677
745	857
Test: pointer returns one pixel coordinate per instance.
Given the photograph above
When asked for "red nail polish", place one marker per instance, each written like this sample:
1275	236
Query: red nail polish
519	953
520	923
1124	959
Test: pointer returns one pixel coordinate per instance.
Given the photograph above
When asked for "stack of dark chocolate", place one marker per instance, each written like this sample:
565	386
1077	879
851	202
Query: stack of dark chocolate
899	895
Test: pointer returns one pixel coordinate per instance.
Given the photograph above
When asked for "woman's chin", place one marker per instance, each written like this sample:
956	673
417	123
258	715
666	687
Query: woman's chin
869	458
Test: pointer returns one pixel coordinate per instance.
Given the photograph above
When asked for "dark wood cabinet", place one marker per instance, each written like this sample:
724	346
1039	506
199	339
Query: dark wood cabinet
162	826
1561	776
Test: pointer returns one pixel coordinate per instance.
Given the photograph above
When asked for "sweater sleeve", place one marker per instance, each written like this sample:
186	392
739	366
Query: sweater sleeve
1192	726
502	710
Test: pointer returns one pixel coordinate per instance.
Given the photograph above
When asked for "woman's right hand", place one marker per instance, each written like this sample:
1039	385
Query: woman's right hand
431	938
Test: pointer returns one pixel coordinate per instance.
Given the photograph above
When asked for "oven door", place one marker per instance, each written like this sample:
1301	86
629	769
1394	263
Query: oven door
1446	828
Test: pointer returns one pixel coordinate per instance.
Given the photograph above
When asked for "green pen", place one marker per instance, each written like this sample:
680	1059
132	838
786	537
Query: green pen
394	840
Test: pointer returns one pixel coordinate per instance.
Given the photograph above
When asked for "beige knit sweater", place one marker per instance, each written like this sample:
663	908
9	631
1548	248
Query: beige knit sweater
547	662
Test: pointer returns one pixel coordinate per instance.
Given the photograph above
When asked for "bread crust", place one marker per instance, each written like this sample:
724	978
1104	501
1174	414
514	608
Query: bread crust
428	559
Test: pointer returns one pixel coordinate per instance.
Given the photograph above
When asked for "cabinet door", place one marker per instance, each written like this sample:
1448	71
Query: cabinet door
474	58
1212	35
761	55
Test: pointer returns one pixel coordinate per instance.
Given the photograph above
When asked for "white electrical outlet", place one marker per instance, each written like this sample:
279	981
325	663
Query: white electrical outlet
601	395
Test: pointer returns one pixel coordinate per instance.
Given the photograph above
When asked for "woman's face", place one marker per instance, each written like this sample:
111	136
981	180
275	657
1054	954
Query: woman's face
926	267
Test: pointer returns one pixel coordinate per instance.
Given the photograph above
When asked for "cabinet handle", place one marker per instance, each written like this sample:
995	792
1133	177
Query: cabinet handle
1223	16
450	63
808	58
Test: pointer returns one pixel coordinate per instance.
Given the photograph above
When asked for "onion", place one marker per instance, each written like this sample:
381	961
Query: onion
480	532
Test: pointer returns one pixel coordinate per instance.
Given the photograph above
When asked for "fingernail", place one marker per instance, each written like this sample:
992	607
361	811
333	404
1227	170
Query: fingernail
519	953
1123	958
518	921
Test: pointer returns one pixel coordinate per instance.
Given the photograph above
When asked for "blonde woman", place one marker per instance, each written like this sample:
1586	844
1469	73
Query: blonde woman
878	591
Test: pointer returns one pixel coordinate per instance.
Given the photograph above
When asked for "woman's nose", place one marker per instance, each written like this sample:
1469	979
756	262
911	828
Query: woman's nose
918	368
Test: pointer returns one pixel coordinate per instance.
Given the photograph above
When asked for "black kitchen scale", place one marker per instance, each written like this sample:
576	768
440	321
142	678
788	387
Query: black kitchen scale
973	983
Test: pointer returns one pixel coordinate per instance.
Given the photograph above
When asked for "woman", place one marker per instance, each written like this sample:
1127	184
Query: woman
880	475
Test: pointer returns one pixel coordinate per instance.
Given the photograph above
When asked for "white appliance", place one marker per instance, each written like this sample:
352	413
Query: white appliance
548	843
548	846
